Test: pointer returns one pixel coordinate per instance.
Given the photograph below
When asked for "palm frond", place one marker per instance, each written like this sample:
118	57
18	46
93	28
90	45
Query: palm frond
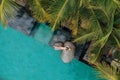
60	14
117	2
105	72
65	10
80	3
84	37
117	41
101	42
8	9
38	11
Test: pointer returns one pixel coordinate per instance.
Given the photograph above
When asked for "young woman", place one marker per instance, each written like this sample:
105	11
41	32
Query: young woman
68	51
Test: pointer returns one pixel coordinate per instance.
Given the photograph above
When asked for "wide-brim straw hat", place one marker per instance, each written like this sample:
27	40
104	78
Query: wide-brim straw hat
68	55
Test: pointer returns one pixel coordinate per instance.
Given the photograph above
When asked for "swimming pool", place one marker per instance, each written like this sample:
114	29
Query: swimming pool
25	58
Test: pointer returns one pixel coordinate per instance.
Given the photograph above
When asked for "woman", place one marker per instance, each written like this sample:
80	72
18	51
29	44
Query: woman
68	51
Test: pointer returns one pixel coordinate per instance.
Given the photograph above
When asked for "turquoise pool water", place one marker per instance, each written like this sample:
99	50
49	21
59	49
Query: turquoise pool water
25	58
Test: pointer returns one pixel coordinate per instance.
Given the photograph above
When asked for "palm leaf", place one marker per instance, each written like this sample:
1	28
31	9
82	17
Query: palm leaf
60	14
80	3
109	29
117	41
8	9
105	72
101	42
84	37
117	2
64	10
38	11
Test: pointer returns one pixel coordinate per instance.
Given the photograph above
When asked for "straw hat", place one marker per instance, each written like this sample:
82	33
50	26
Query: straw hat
68	54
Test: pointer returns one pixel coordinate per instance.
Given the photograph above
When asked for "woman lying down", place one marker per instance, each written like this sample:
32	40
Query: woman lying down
68	50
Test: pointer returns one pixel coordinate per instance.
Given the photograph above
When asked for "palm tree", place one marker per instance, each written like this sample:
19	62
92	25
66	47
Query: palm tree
56	11
89	20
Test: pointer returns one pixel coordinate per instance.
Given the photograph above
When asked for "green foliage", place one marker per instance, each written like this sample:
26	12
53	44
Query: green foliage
104	71
8	9
38	11
117	55
90	20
